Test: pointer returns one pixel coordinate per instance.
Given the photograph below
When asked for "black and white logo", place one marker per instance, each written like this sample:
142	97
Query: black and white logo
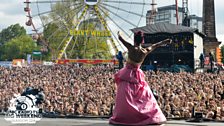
23	108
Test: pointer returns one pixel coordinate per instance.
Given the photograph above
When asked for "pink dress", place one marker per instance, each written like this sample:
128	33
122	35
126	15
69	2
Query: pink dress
135	103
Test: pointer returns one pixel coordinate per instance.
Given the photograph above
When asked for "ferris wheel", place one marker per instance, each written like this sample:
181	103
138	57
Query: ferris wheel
78	27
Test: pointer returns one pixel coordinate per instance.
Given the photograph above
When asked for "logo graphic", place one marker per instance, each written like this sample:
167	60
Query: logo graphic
23	109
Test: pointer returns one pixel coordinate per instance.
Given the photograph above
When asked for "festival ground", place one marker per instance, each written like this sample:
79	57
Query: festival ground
97	122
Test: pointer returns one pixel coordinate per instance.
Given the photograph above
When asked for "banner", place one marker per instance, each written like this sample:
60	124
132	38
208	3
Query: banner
28	59
86	61
18	62
94	33
37	53
207	61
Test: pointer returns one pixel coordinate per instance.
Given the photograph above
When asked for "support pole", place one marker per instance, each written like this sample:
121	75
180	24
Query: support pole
177	17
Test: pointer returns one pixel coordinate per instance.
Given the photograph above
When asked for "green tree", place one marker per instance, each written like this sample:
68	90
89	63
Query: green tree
222	50
18	48
11	32
57	25
63	15
64	19
54	39
90	47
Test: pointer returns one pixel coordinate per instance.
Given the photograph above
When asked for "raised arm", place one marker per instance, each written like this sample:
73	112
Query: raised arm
158	44
126	44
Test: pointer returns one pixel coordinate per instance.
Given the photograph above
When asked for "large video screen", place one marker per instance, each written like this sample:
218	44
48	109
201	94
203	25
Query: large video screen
181	41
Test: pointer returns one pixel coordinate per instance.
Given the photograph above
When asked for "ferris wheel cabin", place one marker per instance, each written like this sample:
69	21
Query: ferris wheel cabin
91	2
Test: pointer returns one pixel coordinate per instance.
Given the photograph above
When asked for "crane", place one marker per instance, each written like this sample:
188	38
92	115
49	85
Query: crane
153	12
185	21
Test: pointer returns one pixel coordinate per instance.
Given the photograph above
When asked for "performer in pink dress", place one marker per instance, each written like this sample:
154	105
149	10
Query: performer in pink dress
135	103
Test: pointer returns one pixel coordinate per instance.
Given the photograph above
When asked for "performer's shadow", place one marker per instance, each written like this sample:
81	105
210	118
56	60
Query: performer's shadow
165	124
141	125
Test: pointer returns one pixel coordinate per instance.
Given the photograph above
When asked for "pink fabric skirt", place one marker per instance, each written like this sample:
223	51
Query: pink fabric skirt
135	103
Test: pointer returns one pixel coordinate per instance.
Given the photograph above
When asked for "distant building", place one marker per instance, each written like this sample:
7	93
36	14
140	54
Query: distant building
196	22
210	41
167	14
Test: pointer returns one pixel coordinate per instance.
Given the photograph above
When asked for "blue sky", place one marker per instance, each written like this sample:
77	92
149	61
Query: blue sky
12	12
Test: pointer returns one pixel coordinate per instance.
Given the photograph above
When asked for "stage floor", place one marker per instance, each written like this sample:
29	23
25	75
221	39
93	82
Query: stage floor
97	122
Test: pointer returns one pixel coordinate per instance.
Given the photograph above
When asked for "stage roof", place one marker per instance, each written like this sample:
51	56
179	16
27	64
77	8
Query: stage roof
166	28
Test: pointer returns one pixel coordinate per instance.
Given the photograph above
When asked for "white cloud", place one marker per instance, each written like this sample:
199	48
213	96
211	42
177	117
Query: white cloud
8	20
12	7
220	38
220	31
12	12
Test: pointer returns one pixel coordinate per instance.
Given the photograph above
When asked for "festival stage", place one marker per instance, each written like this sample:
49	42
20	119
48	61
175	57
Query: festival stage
98	122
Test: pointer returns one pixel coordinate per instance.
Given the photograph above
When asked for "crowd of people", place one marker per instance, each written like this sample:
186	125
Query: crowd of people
90	90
